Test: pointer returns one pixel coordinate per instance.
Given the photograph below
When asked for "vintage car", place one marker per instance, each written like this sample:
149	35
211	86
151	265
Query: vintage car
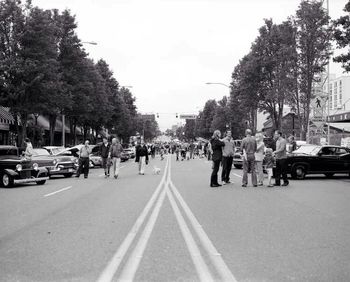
238	156
73	153
314	159
16	170
56	165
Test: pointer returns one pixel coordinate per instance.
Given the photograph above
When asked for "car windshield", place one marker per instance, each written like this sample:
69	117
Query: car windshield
308	150
41	152
8	152
56	151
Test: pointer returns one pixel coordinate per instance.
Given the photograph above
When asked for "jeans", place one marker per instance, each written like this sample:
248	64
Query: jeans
226	168
116	166
83	167
281	169
259	171
214	174
249	166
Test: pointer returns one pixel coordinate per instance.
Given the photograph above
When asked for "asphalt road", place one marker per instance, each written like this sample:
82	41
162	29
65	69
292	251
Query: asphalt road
174	227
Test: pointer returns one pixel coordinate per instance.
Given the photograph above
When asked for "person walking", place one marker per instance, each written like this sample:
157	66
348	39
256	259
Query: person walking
104	152
249	148
216	146
141	157
115	152
84	160
270	163
259	158
227	157
281	159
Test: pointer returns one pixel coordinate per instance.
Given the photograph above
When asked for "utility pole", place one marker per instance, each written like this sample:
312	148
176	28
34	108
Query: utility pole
328	92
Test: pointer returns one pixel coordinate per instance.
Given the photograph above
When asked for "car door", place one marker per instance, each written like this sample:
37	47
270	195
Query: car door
327	160
343	155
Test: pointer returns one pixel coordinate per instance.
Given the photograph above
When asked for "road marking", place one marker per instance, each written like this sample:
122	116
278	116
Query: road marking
198	261
112	267
235	174
214	255
53	193
133	263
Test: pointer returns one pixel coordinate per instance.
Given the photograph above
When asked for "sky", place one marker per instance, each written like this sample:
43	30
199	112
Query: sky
168	49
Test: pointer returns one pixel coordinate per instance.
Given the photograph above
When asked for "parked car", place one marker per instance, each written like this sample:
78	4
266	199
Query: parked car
238	156
131	152
124	156
15	170
95	156
54	150
56	165
314	159
74	154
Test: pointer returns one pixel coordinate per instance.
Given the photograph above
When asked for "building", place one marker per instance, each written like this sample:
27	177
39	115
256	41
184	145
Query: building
339	94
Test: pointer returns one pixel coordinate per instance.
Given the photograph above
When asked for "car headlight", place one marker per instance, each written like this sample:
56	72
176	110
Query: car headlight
35	166
18	167
54	161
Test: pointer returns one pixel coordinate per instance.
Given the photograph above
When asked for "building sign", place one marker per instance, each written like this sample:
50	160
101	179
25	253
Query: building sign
188	116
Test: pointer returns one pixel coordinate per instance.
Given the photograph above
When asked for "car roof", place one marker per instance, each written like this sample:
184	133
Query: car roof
53	147
7	147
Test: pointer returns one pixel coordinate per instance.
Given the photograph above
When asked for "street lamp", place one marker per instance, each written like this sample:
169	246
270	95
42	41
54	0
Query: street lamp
219	83
89	42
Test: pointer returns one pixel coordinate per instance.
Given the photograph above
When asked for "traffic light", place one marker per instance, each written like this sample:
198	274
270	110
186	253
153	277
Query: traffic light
177	115
157	115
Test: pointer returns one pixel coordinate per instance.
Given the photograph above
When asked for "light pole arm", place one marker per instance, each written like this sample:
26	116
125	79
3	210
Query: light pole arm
219	83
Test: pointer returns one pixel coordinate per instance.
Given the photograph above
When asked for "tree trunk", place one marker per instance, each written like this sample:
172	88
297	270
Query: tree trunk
52	121
24	120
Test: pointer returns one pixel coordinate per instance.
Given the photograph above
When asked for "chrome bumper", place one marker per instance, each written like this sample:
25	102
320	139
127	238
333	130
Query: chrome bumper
27	180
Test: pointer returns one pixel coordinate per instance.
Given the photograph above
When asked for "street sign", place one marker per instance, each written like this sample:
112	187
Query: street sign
188	116
319	103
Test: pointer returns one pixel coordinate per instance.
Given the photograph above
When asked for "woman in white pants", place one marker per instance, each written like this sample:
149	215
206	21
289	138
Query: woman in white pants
142	157
259	157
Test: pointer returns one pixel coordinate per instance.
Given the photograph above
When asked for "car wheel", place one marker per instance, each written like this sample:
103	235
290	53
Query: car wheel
299	172
6	180
67	175
237	166
329	175
42	182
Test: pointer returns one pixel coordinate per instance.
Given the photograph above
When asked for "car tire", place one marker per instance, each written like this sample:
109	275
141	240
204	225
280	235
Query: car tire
42	182
68	175
299	172
237	166
7	180
329	174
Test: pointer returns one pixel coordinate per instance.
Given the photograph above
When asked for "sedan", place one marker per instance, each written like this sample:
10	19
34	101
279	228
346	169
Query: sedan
314	159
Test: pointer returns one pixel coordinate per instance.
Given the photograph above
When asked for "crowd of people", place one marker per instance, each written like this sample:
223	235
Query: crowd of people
256	155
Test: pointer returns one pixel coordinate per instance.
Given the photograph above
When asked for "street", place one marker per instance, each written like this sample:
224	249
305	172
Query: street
174	227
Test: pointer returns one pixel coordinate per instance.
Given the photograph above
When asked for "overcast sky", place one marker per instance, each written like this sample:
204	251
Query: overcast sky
168	49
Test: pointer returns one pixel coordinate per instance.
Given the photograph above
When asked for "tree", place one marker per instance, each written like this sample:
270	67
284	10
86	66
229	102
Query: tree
313	46
12	22
203	129
342	37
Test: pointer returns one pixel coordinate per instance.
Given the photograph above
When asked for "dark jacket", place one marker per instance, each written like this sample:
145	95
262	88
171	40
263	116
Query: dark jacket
104	150
141	151
216	146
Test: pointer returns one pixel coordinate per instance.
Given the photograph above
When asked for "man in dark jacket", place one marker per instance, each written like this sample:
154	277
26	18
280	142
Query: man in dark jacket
104	152
142	157
216	146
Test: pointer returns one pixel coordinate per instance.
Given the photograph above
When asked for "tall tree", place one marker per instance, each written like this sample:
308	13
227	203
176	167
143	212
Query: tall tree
342	37
313	46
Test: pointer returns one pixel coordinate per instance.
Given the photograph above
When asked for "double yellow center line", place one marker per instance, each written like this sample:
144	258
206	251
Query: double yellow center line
166	188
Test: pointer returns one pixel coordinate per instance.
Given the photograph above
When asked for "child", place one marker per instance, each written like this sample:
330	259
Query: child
269	161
